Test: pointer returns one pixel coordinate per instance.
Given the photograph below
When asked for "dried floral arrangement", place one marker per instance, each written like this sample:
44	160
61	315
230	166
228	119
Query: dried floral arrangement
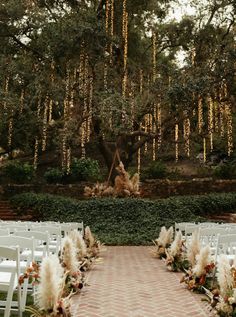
125	186
58	278
176	254
201	274
50	291
163	242
223	298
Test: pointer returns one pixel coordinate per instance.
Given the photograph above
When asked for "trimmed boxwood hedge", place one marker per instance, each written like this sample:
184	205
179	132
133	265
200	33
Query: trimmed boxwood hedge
125	221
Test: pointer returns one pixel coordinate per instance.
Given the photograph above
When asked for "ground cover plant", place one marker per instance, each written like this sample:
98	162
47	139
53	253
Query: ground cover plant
125	221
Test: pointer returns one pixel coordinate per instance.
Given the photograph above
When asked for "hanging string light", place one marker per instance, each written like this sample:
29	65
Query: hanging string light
45	117
36	142
216	115
139	152
68	160
132	103
221	117
154	55
141	81
176	142
6	88
146	123
210	121
204	150
111	28
50	107
22	97
200	115
228	112
186	132
125	53
66	117
159	138
83	139
154	130
90	105
10	129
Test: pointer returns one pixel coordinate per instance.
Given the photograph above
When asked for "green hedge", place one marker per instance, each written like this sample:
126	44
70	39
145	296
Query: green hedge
125	221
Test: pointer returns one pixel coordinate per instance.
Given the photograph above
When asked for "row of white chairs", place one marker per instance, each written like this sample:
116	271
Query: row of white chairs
220	237
31	242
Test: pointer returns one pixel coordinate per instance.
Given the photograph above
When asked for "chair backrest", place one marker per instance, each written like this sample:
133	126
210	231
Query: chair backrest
38	236
13	228
210	235
22	242
12	273
226	244
4	232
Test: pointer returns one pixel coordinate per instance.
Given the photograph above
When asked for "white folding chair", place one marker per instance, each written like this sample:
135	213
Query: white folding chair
9	281
42	240
24	244
4	232
55	236
226	244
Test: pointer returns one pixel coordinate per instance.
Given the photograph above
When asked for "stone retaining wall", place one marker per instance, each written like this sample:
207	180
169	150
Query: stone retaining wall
149	189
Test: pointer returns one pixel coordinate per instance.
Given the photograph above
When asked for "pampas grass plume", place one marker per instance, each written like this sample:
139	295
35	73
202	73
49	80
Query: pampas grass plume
224	276
203	259
49	288
168	238
176	245
193	248
69	255
89	237
79	243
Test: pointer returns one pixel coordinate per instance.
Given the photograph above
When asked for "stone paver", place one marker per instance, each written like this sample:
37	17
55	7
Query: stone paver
131	283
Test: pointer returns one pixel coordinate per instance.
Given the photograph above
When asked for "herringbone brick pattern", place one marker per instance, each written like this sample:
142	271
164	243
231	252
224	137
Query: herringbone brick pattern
130	283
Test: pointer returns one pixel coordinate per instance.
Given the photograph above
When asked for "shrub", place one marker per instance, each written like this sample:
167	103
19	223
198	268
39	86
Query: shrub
18	171
155	170
85	169
54	175
225	171
125	221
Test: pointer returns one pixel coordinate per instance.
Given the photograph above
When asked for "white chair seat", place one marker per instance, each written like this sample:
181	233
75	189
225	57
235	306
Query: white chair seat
5	278
52	248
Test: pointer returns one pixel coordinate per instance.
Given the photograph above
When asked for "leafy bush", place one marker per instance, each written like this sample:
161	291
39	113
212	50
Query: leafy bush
155	170
54	175
18	171
125	221
85	169
225	171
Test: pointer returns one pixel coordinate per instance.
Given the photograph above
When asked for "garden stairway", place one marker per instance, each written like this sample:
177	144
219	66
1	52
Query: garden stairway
8	213
130	282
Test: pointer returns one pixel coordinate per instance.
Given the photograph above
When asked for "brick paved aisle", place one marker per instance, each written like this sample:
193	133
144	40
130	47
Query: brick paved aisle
130	283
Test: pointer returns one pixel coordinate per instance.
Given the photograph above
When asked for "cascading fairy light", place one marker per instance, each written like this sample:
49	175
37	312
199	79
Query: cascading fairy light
154	130
221	117
6	88
146	123
186	132
111	27
159	138
45	118
90	106
216	116
22	98
132	102
106	46
10	129
204	150
36	142
86	106
210	121
228	112
65	161
125	48
154	75
141	81
68	160
50	107
154	55
200	115
176	142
